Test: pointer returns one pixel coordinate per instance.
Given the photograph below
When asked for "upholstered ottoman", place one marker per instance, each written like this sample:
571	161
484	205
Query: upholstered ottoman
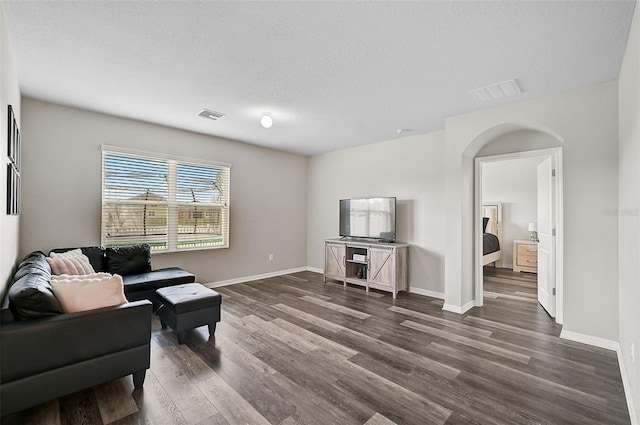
187	306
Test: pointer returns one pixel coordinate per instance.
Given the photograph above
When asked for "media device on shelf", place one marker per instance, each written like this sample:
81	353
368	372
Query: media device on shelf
368	218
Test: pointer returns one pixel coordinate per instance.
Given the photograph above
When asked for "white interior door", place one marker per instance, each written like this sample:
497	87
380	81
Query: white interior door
546	244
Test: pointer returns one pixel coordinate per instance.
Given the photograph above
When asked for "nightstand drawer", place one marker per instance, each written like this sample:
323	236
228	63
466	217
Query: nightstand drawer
527	261
527	249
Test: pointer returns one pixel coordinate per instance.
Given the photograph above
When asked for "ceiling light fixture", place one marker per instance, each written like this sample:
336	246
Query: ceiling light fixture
266	120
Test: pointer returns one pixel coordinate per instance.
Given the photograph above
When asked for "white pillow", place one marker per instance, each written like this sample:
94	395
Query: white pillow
76	294
70	265
67	254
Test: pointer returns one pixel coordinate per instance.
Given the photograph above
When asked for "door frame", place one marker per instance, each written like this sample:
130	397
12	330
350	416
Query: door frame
556	156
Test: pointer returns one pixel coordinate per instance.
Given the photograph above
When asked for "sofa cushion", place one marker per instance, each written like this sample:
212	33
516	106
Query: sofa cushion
126	260
67	254
95	254
71	265
31	295
156	279
82	293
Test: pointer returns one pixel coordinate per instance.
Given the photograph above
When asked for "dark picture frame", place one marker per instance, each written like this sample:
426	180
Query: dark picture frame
13	167
16	149
13	190
12	128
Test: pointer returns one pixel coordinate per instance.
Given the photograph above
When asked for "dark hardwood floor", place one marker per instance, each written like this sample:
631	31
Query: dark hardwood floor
290	350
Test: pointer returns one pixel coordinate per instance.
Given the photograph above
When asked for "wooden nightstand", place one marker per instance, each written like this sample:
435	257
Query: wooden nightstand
525	256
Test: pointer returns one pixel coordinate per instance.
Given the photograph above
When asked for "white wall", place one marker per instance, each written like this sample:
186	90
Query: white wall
62	190
9	95
628	211
412	170
586	121
512	183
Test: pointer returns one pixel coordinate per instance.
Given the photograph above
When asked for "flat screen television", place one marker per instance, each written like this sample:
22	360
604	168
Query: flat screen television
370	218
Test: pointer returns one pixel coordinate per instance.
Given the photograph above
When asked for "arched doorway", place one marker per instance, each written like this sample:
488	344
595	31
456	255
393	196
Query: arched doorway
510	142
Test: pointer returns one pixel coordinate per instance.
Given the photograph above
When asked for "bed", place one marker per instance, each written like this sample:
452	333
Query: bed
491	233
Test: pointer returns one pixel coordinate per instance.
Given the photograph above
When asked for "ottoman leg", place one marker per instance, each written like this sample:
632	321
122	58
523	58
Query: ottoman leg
182	337
212	329
138	378
163	324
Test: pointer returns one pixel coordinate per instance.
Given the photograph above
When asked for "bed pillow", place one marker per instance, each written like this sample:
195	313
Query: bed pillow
71	265
81	294
485	221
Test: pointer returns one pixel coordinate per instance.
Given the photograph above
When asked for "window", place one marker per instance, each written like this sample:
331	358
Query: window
171	204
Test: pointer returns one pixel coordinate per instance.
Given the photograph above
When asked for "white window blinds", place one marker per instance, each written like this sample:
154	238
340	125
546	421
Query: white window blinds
170	204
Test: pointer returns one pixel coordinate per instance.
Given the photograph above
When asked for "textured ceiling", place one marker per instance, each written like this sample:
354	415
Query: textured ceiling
332	74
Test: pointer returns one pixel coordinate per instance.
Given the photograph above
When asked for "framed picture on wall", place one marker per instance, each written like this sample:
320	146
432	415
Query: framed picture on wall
16	189
12	128
16	149
9	189
13	190
13	167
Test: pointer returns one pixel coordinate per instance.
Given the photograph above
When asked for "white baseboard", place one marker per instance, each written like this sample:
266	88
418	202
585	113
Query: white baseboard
427	293
626	384
254	277
608	345
457	309
591	340
315	269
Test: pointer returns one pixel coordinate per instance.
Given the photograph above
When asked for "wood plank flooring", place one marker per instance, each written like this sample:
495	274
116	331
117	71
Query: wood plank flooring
290	351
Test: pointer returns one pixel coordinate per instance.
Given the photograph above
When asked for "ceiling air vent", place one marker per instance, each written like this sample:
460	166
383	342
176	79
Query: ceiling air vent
496	91
212	115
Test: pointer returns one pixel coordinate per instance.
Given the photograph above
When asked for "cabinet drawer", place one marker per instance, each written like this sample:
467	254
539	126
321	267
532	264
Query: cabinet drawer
527	261
527	249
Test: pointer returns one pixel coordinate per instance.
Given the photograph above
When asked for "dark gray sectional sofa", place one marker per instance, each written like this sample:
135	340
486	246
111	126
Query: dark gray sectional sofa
46	354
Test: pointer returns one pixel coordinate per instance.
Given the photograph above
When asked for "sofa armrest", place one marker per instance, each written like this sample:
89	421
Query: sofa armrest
33	346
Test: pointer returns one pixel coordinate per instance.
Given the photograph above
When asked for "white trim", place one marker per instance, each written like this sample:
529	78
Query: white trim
254	277
315	269
427	293
626	384
118	149
459	310
591	340
559	220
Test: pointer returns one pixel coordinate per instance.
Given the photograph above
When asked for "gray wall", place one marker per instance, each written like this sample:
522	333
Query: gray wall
512	183
9	95
62	190
412	170
629	212
586	122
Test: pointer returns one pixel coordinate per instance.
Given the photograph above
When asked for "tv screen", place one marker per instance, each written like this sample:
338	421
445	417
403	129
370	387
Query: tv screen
373	218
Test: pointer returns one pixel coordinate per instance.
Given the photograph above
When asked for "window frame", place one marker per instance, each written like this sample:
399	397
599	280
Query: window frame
172	203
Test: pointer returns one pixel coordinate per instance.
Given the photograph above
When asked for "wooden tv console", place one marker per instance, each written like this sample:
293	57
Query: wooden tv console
376	265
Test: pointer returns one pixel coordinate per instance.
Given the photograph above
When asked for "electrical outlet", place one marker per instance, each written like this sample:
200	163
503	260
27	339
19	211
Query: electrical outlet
270	257
633	353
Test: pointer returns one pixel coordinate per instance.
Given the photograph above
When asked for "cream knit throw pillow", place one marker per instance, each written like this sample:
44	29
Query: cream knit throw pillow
81	293
71	265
